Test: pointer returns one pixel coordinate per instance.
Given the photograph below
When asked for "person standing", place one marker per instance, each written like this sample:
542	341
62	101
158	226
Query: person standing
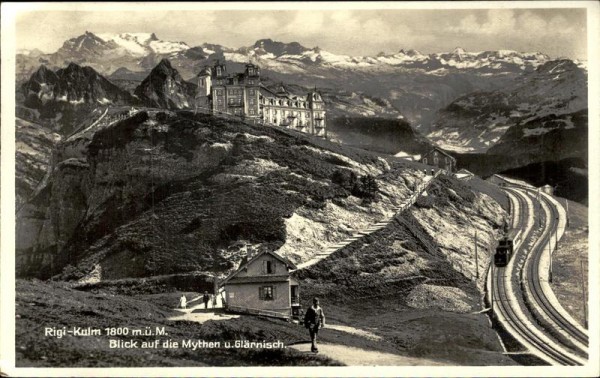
206	299
314	319
183	301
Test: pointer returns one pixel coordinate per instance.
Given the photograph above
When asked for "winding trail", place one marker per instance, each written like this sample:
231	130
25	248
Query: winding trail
358	234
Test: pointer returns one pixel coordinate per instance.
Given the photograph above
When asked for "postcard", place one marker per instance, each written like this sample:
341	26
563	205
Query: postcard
300	189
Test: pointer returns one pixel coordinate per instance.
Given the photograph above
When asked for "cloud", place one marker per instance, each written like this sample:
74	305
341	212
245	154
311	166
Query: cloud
509	23
496	21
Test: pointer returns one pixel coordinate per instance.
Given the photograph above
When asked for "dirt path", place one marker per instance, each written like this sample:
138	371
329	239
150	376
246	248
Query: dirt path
352	356
354	331
197	313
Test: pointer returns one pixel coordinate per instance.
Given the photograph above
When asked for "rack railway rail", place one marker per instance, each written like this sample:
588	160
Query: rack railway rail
518	300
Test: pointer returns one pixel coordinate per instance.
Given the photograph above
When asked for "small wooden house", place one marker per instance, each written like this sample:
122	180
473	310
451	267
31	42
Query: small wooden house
262	286
439	158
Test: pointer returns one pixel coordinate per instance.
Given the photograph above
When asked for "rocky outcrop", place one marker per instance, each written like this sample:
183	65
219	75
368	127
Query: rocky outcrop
165	88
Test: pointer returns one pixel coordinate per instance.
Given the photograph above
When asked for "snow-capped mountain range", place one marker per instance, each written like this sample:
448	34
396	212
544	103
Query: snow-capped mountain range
416	85
140	44
289	57
294	53
134	44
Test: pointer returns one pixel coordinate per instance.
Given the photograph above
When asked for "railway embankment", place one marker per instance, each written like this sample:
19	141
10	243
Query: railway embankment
570	263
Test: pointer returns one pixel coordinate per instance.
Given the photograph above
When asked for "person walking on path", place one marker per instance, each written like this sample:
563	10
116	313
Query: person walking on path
183	301
206	299
314	319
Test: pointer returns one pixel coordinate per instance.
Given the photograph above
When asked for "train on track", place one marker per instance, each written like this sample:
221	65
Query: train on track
506	246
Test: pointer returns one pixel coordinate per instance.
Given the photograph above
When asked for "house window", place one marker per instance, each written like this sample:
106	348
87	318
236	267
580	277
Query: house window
251	91
424	160
268	267
266	293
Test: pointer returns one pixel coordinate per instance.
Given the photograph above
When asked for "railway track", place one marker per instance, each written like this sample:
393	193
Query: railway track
569	333
508	297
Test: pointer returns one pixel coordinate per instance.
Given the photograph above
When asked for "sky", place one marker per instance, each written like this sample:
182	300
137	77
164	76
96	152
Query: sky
556	32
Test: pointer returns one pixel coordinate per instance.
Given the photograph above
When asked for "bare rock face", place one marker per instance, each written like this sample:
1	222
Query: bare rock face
165	88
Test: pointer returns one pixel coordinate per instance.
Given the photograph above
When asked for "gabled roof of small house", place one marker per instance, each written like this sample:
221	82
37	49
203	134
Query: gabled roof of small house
262	279
440	151
287	262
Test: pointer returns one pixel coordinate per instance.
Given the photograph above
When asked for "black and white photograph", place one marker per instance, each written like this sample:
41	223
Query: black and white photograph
318	188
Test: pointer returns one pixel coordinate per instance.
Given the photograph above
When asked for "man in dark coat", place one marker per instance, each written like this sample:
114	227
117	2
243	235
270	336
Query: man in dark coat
206	299
314	319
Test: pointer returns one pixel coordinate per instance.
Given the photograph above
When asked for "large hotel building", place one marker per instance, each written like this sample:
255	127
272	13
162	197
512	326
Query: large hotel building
243	95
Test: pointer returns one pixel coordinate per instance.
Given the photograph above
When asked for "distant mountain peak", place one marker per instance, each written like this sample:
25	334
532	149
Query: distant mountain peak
73	85
164	67
280	48
165	88
73	67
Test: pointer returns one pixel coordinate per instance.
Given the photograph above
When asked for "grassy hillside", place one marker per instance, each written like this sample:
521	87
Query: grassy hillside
164	193
52	304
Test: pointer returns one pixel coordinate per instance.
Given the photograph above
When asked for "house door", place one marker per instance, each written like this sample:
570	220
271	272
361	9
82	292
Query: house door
295	294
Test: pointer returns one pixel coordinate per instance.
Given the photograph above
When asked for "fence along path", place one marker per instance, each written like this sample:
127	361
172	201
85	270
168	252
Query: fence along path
358	234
